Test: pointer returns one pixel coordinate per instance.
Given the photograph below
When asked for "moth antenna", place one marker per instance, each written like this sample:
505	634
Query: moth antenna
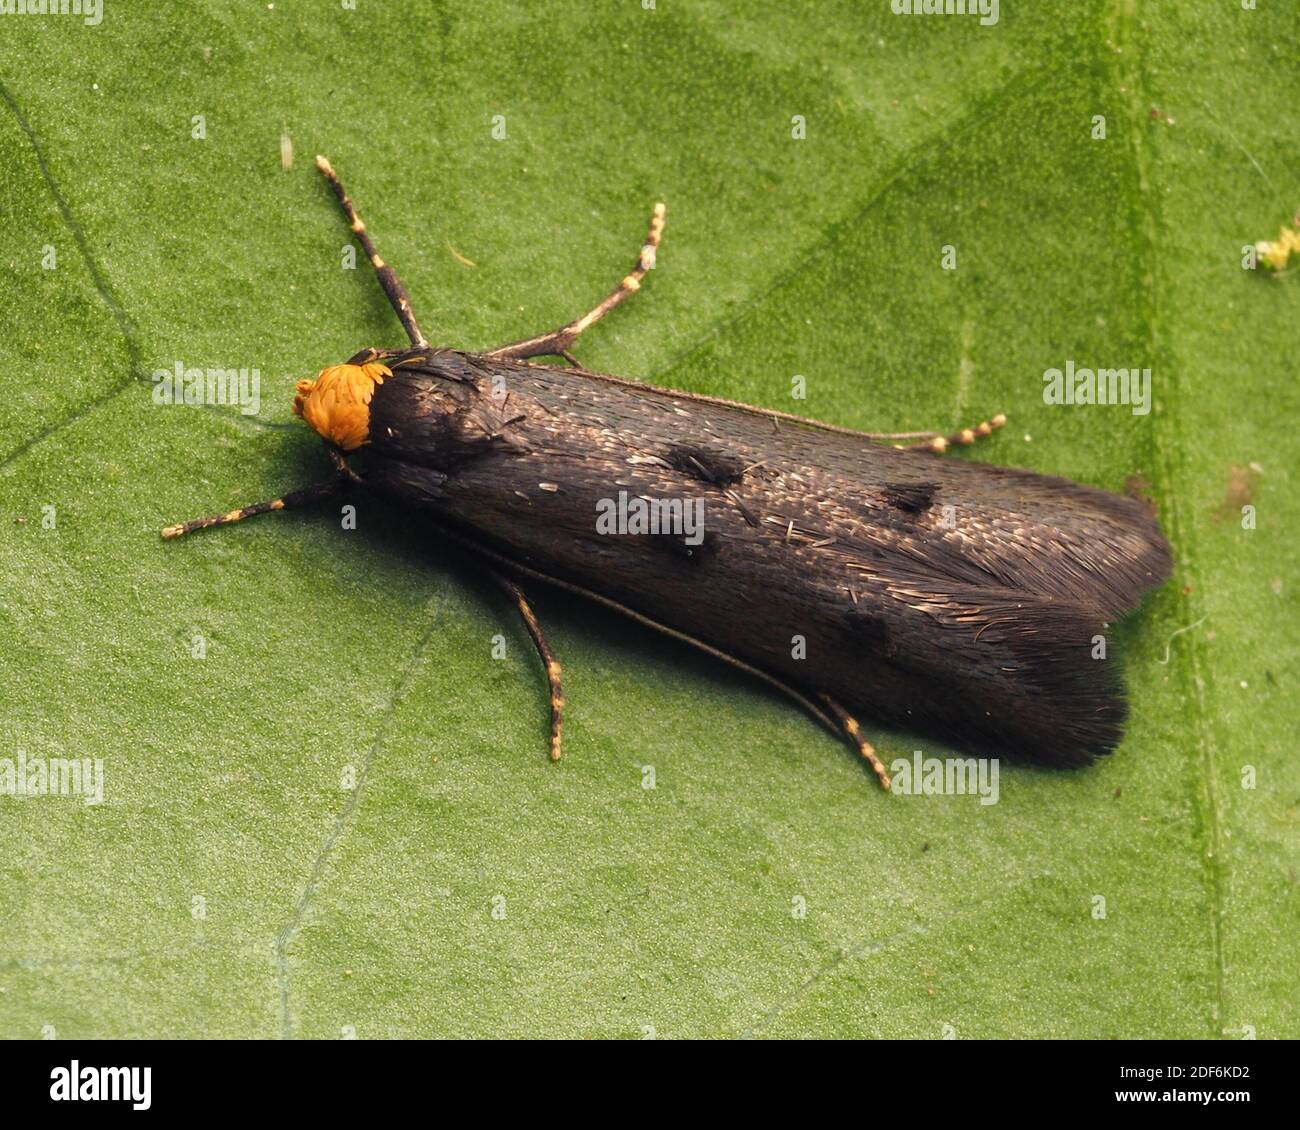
939	444
549	661
304	496
558	342
388	279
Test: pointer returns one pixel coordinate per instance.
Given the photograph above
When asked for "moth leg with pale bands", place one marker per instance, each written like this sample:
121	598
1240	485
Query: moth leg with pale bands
388	279
549	661
304	496
939	444
558	342
850	726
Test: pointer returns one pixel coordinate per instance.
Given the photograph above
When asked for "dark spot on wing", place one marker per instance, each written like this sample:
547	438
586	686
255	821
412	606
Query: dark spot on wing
870	632
708	466
706	550
911	498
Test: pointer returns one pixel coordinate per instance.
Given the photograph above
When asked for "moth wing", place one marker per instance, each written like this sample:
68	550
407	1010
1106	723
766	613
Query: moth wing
1011	672
1018	530
982	599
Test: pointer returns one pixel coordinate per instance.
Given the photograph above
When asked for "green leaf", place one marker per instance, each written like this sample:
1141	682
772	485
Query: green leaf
233	884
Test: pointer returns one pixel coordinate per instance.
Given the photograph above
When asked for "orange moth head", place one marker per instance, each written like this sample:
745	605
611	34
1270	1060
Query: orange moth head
337	402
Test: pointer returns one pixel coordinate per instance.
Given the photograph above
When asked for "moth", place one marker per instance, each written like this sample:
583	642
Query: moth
852	572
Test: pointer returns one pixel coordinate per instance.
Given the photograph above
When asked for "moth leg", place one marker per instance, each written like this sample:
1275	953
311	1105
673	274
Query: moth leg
838	721
548	658
341	465
388	279
854	731
557	342
304	496
939	444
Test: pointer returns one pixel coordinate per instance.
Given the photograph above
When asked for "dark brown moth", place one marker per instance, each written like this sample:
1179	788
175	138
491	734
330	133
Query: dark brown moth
954	599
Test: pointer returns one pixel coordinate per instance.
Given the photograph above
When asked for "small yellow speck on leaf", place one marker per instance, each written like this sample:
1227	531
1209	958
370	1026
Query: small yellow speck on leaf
1277	254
